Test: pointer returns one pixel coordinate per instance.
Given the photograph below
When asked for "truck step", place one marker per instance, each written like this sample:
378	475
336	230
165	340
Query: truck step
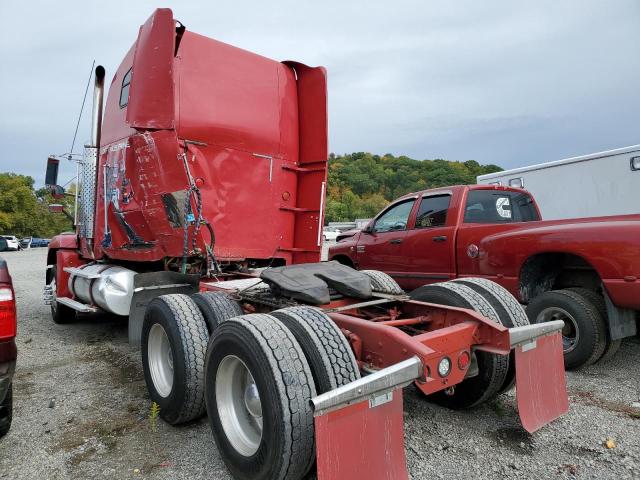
80	307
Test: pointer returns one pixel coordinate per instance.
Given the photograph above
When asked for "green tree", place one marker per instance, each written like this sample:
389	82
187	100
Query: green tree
24	212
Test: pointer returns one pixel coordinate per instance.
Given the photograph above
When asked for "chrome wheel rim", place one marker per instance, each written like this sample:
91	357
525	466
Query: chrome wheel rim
239	405
160	358
570	331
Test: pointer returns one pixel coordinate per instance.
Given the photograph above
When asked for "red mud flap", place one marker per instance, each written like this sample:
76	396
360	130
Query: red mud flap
541	387
360	426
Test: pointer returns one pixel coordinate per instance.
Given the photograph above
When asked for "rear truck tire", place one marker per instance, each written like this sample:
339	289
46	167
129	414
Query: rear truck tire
61	314
584	335
174	345
492	368
216	307
612	346
328	352
258	392
383	283
6	412
508	309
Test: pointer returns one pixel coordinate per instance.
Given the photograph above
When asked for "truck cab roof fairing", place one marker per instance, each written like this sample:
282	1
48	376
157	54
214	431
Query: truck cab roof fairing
151	101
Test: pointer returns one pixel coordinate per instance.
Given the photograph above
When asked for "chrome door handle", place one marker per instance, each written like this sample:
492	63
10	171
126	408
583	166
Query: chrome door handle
440	238
396	240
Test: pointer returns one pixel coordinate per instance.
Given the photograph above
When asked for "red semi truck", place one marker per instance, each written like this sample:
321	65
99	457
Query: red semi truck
585	272
199	217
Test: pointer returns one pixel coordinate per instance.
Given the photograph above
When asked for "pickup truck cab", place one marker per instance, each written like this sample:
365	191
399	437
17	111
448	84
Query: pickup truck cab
8	351
583	271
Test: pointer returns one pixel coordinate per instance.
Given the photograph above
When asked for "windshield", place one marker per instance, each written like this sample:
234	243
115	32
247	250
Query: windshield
497	206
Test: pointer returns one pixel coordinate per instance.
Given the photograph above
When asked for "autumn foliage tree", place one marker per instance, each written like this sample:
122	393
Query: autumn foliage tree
361	184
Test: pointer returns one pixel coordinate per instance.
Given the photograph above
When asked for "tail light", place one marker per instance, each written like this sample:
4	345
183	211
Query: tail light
7	313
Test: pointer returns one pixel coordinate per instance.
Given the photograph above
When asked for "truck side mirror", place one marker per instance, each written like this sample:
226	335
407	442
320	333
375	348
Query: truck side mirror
51	176
368	229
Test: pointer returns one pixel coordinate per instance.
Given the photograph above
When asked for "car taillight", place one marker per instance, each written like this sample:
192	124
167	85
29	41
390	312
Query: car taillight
7	313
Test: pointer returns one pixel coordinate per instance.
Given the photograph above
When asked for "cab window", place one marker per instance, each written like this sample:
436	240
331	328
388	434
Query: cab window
433	211
124	91
395	218
491	206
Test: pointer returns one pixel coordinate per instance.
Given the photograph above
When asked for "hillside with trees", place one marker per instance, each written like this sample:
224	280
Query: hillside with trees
361	184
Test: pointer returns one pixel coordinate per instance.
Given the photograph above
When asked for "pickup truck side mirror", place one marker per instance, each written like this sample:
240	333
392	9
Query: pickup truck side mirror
368	229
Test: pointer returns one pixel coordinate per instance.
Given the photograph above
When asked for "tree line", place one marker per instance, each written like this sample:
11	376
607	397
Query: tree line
24	211
361	184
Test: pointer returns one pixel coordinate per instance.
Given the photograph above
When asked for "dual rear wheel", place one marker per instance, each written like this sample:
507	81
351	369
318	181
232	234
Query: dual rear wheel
585	336
253	374
491	374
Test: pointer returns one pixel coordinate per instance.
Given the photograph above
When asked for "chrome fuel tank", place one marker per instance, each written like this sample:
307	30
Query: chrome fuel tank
108	286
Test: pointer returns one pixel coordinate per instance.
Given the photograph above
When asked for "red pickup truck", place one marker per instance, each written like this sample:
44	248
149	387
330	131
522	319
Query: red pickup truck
583	271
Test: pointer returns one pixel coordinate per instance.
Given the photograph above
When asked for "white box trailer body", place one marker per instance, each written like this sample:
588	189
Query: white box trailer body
594	185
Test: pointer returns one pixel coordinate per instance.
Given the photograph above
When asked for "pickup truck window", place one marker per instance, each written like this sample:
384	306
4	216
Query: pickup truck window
395	218
490	206
433	211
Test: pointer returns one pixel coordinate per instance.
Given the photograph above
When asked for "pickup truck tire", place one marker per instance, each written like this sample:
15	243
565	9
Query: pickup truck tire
612	346
508	309
61	314
6	412
383	283
584	336
492	368
216	307
258	392
174	344
327	350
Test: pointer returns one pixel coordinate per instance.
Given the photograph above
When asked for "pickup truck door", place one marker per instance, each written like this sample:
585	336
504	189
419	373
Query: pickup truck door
380	244
428	247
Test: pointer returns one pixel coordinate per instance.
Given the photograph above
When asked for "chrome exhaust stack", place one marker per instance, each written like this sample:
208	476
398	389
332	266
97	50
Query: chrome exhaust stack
88	178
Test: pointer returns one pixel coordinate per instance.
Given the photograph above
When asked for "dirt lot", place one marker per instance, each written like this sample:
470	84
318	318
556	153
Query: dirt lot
82	411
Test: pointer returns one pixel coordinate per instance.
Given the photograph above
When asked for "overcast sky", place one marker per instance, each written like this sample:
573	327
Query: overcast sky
494	81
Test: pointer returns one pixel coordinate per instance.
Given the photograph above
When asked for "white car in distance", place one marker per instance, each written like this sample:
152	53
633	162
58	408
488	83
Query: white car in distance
330	234
12	242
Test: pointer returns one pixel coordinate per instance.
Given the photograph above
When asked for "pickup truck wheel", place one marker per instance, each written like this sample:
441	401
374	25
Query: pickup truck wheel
6	412
330	357
492	368
612	346
383	283
584	334
216	307
508	309
174	344
258	392
61	314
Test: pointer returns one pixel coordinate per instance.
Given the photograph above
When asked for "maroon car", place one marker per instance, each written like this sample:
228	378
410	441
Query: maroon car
8	350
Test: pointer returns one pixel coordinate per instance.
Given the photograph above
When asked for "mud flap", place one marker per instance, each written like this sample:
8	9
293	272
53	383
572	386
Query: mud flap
363	440
360	426
541	386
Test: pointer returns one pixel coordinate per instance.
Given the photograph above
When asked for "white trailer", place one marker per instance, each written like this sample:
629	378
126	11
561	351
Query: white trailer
599	184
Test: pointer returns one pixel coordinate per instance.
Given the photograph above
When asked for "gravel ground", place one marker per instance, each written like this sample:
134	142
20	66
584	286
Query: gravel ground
82	411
